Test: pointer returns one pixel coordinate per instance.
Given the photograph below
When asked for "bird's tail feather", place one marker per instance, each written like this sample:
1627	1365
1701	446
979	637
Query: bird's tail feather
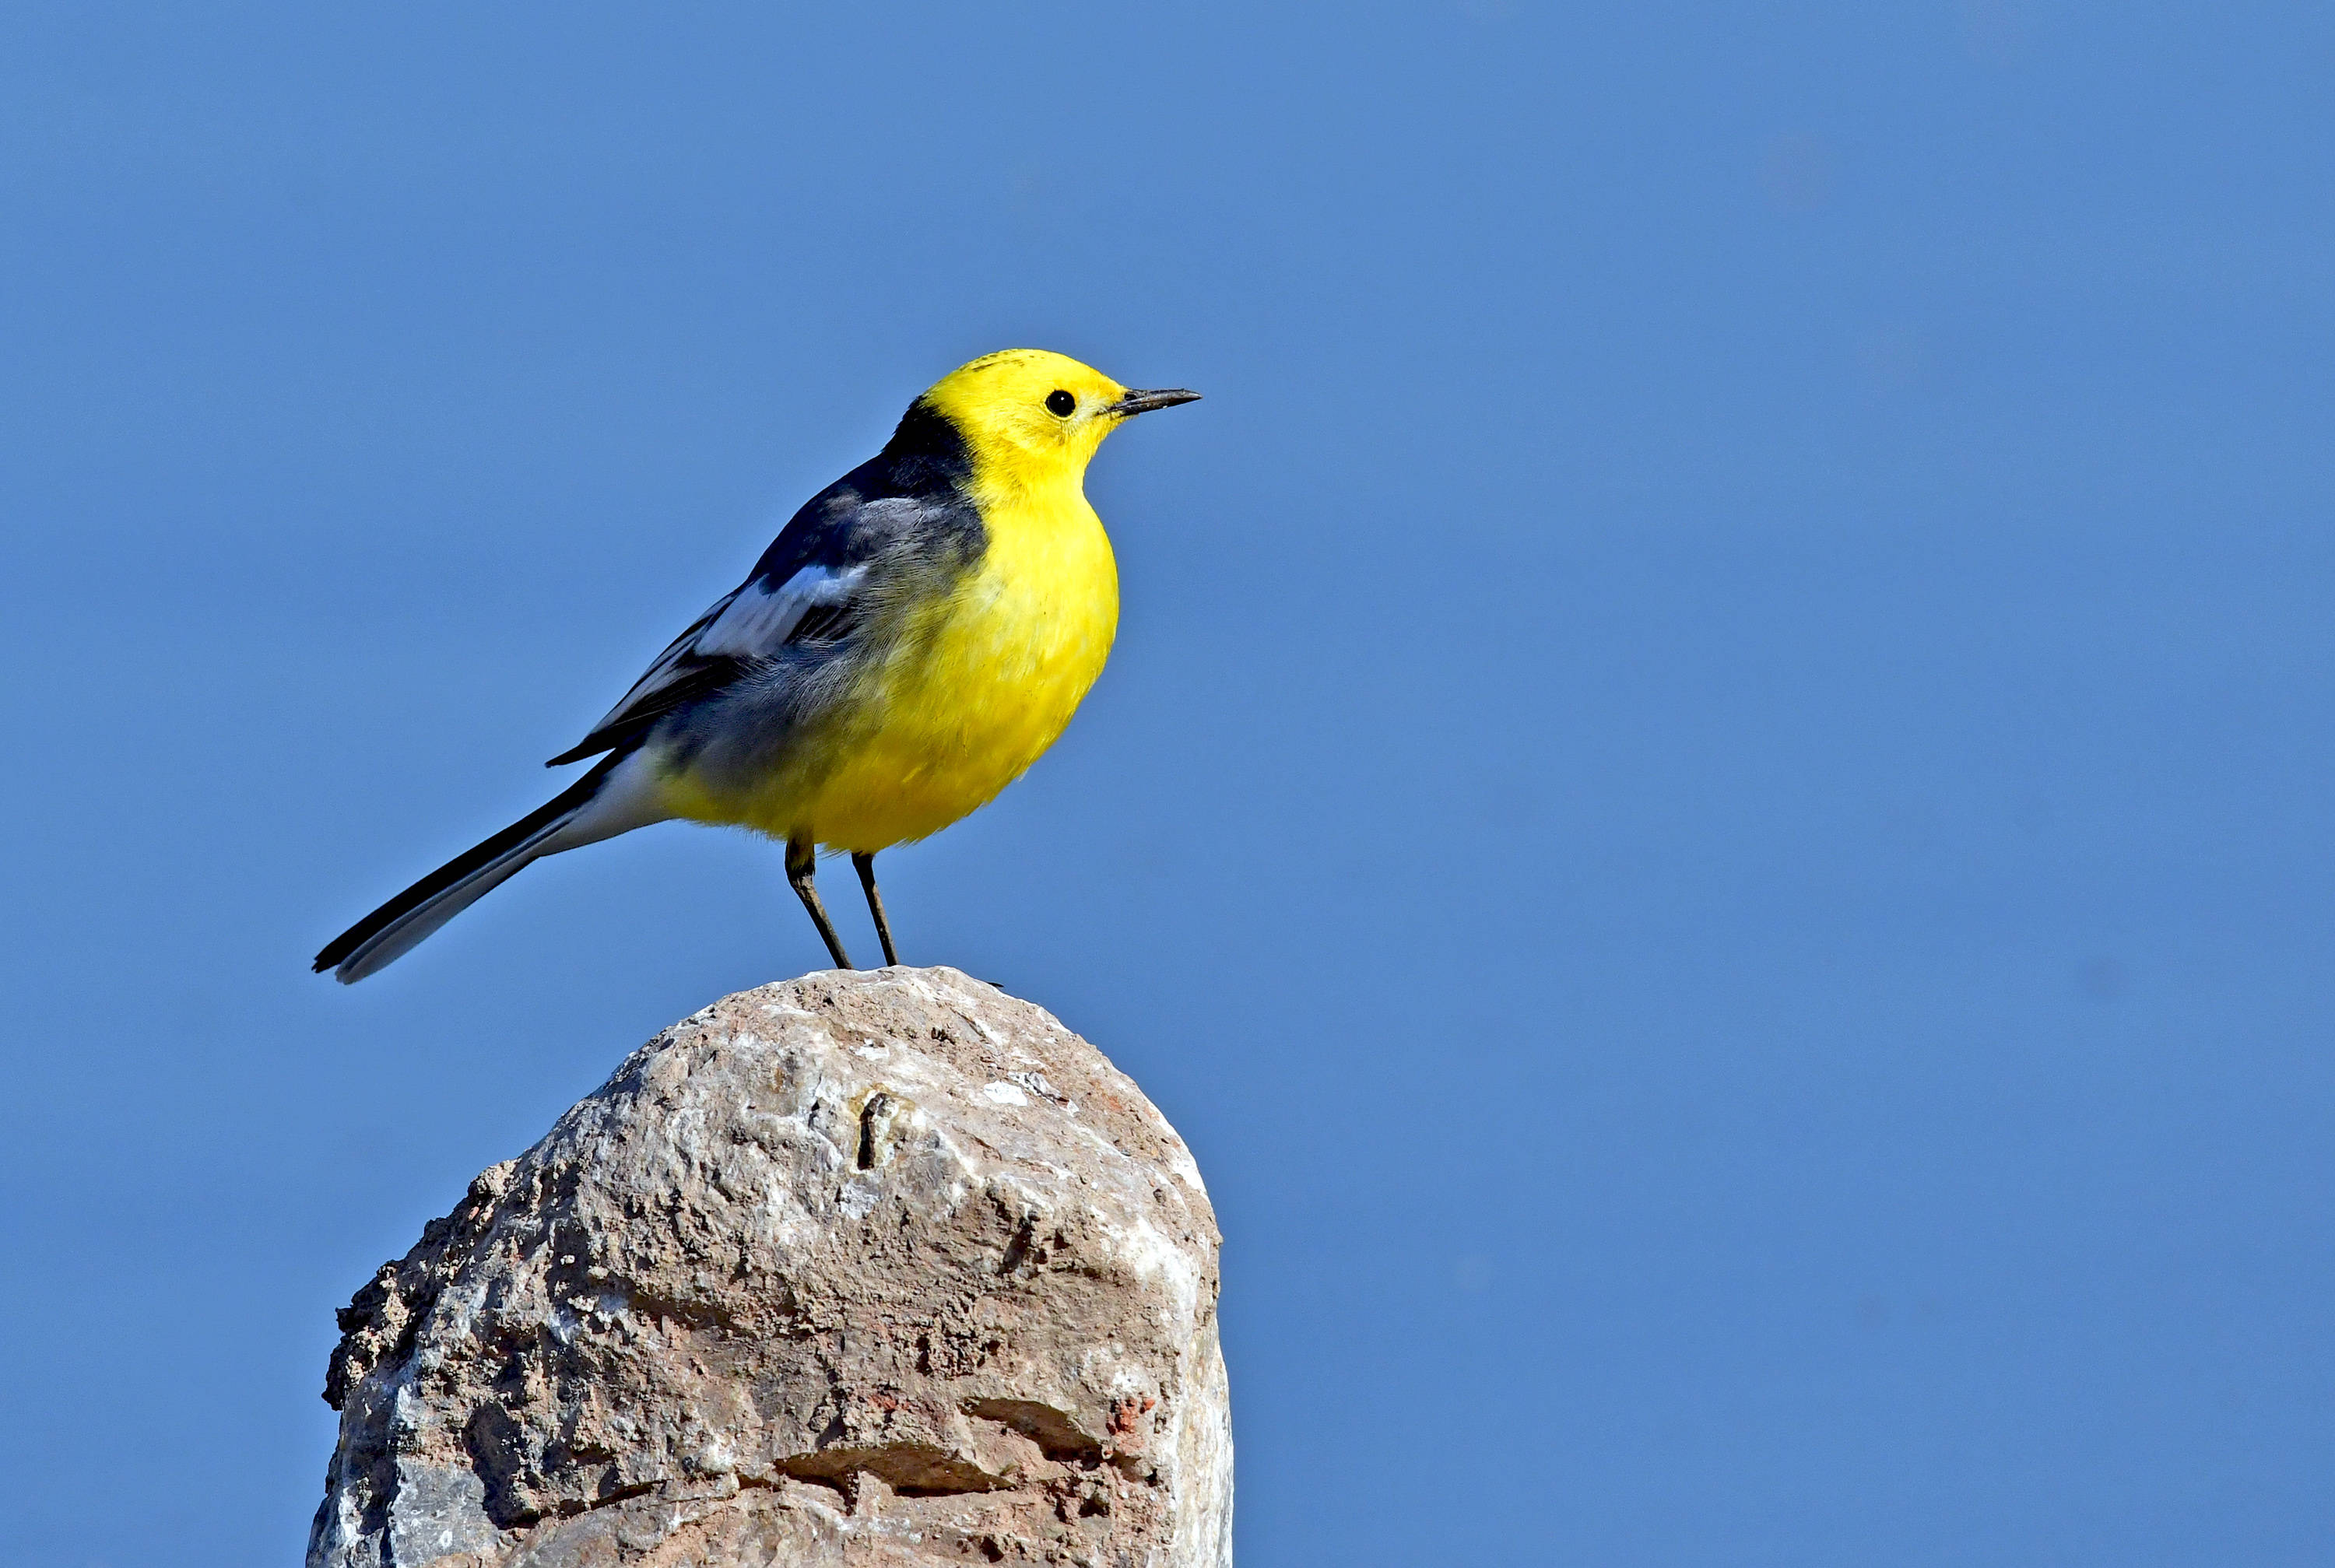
389	932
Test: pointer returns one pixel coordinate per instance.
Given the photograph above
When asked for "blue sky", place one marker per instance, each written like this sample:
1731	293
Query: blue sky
1710	812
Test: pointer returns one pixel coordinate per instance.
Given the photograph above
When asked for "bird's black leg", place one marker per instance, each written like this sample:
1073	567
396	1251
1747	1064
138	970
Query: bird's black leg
802	866
866	866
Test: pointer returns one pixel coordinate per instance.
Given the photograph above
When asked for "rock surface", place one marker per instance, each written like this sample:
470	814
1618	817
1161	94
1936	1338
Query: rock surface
870	1267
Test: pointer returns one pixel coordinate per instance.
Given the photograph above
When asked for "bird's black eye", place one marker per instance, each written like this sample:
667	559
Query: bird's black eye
1059	404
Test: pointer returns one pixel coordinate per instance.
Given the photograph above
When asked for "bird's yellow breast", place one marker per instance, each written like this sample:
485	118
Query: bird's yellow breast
981	683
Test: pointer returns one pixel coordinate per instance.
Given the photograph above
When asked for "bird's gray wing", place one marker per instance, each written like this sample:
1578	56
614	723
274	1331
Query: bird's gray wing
743	630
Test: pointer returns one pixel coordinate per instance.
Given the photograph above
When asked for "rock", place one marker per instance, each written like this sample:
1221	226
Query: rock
868	1267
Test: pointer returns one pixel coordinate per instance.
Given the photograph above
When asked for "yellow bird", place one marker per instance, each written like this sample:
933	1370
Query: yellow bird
912	640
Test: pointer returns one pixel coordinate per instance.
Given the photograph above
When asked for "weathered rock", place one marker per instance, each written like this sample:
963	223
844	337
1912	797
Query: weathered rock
877	1267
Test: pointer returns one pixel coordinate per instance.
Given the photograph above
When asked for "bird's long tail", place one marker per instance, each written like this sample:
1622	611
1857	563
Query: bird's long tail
577	815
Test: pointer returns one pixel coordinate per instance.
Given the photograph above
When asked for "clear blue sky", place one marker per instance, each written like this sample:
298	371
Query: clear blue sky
1712	811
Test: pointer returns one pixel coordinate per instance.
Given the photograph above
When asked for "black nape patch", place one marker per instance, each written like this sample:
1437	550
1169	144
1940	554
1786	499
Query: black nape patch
927	451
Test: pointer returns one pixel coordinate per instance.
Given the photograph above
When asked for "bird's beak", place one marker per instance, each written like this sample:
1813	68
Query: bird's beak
1143	402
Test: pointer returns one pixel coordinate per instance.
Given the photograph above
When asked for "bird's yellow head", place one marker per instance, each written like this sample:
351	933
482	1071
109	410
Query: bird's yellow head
1032	418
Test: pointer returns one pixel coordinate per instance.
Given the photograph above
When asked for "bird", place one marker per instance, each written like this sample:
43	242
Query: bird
914	638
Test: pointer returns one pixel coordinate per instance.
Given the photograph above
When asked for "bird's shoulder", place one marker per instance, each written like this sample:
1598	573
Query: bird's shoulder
883	514
901	521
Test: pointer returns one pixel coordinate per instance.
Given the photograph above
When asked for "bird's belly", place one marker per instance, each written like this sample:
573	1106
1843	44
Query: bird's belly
970	695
